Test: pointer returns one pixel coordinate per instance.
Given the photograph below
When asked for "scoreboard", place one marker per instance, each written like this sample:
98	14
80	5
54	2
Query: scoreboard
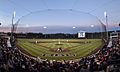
81	34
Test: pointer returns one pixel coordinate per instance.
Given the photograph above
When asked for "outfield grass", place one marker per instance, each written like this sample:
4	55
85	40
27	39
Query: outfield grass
77	47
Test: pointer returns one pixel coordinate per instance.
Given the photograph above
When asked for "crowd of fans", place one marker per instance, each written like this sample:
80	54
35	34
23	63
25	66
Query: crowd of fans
105	60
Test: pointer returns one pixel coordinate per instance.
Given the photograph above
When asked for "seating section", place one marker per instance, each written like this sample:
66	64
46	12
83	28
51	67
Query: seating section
106	59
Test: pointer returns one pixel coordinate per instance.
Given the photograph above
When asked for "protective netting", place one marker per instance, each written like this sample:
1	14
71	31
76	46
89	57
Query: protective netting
59	21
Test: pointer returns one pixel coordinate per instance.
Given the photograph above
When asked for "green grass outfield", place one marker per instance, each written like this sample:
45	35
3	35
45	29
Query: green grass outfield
74	48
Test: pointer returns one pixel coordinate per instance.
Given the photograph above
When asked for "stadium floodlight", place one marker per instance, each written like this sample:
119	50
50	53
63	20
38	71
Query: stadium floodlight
73	27
105	14
44	27
12	28
27	28
92	26
14	13
106	21
13	16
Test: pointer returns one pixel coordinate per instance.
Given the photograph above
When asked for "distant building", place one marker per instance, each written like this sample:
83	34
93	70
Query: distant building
115	37
5	37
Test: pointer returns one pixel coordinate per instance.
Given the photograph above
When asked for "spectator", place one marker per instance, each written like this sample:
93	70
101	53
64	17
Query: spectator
13	60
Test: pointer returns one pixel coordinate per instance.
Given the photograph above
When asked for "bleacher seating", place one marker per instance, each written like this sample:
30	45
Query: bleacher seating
105	60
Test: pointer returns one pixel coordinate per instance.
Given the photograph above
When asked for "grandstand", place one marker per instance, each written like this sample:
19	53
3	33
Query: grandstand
105	59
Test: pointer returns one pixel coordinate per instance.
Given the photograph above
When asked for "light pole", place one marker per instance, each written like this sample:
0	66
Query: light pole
106	21
73	33
45	28
92	32
73	27
27	30
0	23
12	28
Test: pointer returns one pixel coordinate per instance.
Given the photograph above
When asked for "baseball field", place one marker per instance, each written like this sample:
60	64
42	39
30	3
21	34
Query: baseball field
59	49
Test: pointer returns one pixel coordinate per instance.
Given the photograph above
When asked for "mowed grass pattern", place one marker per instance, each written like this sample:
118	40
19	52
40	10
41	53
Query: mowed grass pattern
79	47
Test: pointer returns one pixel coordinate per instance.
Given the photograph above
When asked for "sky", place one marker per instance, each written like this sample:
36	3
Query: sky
37	13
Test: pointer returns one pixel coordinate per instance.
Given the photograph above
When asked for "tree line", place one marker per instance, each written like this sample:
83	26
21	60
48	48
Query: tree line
58	35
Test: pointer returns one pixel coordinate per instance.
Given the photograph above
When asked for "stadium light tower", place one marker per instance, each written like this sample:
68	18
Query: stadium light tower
0	23
106	21
45	28
73	29
92	27
12	28
27	26
13	16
